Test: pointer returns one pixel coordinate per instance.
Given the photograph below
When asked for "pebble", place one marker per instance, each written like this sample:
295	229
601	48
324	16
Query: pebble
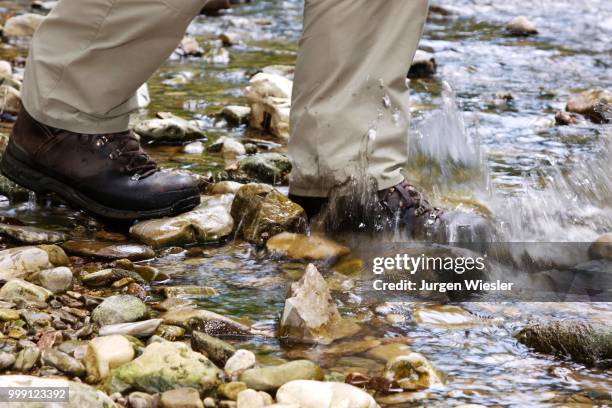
181	398
119	309
57	280
18	289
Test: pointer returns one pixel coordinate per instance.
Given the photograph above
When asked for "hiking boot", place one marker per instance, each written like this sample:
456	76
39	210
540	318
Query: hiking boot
399	208
108	175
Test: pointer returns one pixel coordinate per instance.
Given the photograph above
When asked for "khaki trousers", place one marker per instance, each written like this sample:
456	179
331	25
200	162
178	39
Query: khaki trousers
350	100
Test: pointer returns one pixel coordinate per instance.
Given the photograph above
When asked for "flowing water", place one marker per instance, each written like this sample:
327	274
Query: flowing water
469	149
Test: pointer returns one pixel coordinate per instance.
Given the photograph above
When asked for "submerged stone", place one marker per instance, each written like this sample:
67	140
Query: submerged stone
310	314
318	394
412	372
272	377
32	235
164	366
583	342
210	221
262	212
308	247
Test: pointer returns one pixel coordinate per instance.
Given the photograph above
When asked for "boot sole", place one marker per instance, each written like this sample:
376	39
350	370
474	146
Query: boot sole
32	179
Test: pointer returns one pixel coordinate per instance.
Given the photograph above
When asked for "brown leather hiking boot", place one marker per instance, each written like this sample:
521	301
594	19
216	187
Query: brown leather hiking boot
399	208
106	174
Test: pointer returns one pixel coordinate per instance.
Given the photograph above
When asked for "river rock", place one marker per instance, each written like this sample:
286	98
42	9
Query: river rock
253	399
230	148
592	103
217	350
23	261
240	361
6	69
80	395
412	372
602	247
57	280
119	309
308	247
164	366
23	25
423	65
317	394
217	55
144	328
236	115
206	321
388	352
6	360
32	235
521	26
225	187
106	277
196	147
272	377
190	46
583	342
188	290
210	221
269	97
271	168
105	353
310	314
63	362
286	71
18	289
181	398
172	129
10	99
262	212
143	400
230	390
109	250
26	359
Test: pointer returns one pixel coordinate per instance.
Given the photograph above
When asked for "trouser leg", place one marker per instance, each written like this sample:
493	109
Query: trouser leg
350	107
89	57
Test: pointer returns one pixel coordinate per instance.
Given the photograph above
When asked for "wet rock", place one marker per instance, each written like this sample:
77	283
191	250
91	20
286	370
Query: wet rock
18	289
565	119
190	47
105	353
26	359
210	221
271	168
194	148
388	352
272	377
228	39
172	129
22	25
6	360
217	350
236	115
7	315
317	394
181	398
144	328
106	277
80	395
188	290
593	104
170	333
57	280
310	314
521	26
423	65
308	247
205	321
231	389
229	148
241	360
108	250
63	362
269	97
32	235
23	261
119	309
35	319
586	343
164	366
602	247
253	399
262	212
225	187
143	400
412	372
